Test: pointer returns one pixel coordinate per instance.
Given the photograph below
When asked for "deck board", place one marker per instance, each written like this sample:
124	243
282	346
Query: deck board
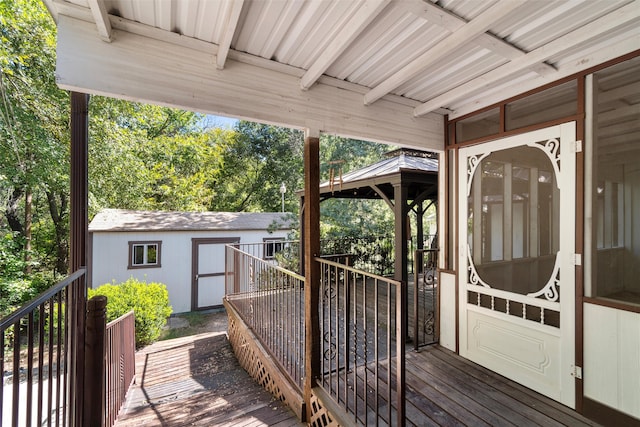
197	381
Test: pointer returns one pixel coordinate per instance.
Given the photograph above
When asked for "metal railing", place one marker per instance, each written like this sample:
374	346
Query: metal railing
120	364
425	313
270	300
40	360
362	338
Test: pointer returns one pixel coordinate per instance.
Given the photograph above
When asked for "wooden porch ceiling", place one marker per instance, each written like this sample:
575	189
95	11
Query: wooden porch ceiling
383	70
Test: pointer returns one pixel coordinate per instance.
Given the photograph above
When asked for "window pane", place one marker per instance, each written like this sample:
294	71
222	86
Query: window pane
551	104
478	125
615	185
138	254
152	251
513	219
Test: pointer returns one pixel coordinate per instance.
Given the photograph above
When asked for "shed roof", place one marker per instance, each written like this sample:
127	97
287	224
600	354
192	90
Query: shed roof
130	220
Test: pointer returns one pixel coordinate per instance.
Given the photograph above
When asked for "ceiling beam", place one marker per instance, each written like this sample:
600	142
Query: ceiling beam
440	16
99	12
229	31
350	31
162	73
608	23
444	47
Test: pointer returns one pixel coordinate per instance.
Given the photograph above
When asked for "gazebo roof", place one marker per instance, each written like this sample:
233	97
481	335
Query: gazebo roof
417	170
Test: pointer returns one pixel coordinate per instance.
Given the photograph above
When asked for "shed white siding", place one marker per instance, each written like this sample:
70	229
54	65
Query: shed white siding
110	258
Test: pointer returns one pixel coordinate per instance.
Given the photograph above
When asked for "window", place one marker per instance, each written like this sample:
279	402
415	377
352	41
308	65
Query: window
144	254
612	200
272	246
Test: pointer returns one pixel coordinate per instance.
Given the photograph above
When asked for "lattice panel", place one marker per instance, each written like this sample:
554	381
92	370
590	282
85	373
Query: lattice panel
250	360
320	417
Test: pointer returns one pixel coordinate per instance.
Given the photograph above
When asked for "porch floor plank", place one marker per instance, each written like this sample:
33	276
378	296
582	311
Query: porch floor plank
197	381
473	395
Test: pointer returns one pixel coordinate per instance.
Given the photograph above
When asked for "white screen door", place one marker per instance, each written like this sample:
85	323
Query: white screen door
516	257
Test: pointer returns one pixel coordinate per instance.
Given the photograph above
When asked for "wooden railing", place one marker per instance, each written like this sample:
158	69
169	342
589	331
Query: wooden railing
120	364
40	355
270	300
362	339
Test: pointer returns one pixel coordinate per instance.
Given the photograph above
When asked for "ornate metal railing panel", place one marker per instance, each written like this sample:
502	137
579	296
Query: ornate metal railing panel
361	343
424	323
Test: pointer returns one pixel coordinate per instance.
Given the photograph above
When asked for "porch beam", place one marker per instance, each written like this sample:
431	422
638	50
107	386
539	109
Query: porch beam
363	17
622	17
99	12
251	91
446	46
400	194
311	266
229	31
451	22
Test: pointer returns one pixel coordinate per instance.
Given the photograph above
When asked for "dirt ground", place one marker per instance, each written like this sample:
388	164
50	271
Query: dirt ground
193	323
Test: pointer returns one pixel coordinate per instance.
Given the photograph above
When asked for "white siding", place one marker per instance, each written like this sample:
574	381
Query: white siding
612	358
448	310
111	259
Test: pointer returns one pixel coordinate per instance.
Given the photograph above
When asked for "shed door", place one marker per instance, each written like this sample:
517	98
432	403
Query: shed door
207	278
517	267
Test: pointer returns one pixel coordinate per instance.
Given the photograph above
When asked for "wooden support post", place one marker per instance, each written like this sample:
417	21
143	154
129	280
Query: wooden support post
94	366
400	205
78	230
311	267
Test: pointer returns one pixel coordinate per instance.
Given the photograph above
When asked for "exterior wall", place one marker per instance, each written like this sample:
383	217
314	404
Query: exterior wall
448	310
612	358
110	258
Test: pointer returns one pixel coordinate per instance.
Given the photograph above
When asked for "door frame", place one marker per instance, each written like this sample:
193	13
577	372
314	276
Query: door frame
195	243
566	162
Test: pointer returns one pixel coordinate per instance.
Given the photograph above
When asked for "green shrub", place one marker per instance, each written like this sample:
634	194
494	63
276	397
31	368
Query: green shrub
149	301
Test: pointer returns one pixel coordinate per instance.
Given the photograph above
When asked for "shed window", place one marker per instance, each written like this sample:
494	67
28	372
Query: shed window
272	247
144	254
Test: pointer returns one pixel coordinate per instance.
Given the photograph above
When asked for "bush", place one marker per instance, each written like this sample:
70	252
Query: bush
149	301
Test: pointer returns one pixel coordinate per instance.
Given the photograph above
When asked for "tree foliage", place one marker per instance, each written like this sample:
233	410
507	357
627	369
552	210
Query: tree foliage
140	157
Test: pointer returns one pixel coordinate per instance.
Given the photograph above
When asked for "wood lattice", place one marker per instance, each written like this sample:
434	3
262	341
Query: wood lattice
320	417
251	361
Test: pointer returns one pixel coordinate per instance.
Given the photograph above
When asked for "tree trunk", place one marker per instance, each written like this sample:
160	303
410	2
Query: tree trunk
28	221
11	212
58	216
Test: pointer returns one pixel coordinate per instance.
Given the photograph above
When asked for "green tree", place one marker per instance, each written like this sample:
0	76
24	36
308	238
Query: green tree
254	165
33	131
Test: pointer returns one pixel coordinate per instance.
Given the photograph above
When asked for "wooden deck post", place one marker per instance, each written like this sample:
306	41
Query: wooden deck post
78	230
400	193
94	392
311	267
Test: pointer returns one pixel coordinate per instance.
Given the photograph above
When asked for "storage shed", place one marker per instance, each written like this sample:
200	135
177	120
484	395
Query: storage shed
184	250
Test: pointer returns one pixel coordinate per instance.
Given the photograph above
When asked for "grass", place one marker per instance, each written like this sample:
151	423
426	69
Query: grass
196	321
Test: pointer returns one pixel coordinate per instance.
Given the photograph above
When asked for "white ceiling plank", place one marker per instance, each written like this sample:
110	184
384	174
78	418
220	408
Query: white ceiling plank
52	8
608	23
227	37
343	40
451	22
99	12
465	34
246	91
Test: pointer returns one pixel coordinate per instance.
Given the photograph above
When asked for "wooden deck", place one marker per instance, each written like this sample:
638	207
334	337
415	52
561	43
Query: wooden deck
197	381
448	390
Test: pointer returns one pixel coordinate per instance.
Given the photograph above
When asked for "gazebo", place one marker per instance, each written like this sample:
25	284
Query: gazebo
407	180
